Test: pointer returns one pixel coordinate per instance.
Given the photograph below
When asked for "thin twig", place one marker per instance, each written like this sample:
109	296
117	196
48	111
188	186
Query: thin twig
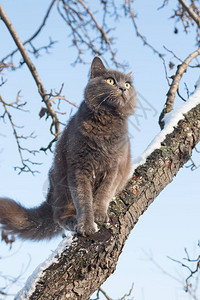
102	32
28	41
25	162
129	293
58	95
63	98
143	38
104	293
86	31
188	286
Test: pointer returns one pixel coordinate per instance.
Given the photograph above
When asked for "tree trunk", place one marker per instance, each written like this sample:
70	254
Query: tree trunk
88	262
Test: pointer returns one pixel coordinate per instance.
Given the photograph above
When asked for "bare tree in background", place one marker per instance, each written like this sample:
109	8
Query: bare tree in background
77	276
189	275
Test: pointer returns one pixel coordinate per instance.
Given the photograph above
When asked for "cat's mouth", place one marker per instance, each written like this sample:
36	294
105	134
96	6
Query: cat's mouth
123	97
119	99
114	99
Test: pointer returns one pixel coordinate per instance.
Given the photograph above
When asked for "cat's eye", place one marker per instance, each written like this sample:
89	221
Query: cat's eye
127	85
110	81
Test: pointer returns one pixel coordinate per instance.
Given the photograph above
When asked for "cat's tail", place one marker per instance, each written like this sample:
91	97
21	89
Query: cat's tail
34	223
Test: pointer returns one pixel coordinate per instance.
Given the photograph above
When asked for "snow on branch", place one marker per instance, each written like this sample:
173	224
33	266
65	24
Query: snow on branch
34	278
171	120
181	69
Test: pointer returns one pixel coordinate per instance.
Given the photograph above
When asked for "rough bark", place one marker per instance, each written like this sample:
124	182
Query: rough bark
88	262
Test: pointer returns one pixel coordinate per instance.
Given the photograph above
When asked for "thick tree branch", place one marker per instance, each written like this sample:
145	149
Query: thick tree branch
84	265
41	89
191	12
181	69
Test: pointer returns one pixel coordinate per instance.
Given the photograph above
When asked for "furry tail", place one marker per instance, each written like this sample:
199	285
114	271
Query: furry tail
34	223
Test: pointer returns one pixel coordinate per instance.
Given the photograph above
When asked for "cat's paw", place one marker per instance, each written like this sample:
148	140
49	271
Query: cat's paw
86	229
101	217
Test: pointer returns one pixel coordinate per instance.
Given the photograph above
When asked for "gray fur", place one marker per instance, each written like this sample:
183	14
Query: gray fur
91	162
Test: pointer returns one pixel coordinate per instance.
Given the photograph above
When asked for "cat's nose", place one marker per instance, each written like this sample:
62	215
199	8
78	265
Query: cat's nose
122	88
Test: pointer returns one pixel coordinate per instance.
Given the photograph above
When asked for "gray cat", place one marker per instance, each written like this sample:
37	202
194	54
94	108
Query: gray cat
91	163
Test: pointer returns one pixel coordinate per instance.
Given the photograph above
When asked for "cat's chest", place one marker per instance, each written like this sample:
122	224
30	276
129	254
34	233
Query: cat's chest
107	131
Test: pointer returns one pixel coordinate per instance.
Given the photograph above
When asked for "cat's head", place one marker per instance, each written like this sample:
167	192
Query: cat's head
109	89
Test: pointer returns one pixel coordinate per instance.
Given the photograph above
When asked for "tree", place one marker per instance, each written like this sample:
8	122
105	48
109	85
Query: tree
98	255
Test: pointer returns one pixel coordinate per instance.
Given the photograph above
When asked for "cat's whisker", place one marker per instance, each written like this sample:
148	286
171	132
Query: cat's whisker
96	97
103	101
111	94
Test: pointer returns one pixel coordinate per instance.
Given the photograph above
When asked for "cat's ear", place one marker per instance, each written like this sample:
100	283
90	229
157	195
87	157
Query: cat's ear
97	67
130	74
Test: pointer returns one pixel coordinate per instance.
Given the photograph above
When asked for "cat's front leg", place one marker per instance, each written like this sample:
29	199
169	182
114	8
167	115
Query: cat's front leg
104	195
81	192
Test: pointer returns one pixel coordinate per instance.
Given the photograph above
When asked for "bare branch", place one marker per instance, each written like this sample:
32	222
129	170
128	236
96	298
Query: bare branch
192	266
165	2
128	9
25	162
170	51
60	97
188	15
192	269
86	33
36	52
193	165
102	32
191	12
160	268
129	293
42	91
104	293
181	69
11	280
28	41
2	67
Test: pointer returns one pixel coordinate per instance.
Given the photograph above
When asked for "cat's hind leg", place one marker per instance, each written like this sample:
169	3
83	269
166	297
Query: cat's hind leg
64	212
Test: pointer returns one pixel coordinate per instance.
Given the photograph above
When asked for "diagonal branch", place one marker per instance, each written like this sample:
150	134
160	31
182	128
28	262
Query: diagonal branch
181	69
85	30
86	263
191	12
35	34
42	91
102	32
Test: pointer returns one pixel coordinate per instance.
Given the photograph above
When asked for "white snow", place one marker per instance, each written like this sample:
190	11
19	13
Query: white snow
171	120
96	227
31	282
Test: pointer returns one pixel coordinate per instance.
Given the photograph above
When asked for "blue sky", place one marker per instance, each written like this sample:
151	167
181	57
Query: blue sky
172	222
